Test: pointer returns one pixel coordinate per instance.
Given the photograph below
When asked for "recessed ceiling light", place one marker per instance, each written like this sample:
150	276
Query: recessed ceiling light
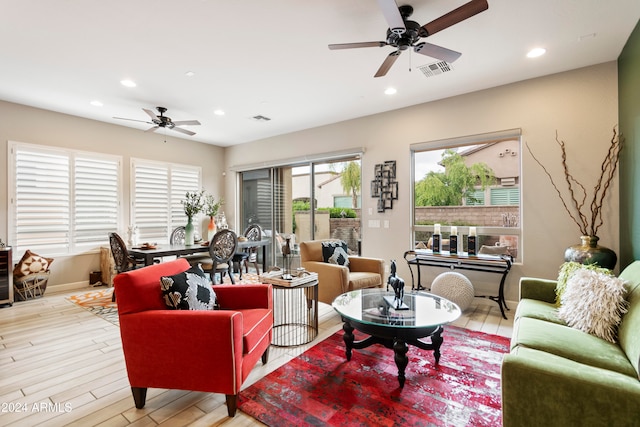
536	52
218	112
97	103
128	83
189	74
390	91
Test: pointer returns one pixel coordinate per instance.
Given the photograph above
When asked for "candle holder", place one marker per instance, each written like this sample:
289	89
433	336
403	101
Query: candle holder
471	245
453	244
437	243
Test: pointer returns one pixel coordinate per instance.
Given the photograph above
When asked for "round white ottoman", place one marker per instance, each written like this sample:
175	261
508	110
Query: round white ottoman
455	287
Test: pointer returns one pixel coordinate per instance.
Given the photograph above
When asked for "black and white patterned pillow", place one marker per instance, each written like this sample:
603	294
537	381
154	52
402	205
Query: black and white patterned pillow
335	253
189	290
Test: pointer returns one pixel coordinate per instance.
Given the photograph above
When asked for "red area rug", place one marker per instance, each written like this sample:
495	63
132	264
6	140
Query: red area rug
320	388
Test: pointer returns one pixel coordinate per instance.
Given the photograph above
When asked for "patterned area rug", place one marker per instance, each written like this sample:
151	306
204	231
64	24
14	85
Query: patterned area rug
99	301
320	387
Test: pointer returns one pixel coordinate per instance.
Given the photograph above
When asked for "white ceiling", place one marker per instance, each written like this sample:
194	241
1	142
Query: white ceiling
257	57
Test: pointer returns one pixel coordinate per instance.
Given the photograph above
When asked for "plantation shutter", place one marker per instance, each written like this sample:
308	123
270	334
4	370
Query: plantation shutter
183	179
61	201
96	207
158	189
476	199
41	201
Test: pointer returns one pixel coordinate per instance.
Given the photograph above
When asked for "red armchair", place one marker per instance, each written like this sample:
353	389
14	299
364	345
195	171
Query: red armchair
210	351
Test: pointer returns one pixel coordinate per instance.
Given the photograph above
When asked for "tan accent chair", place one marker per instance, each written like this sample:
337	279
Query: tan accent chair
333	279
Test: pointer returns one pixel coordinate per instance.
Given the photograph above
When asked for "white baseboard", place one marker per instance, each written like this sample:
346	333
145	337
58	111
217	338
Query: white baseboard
69	287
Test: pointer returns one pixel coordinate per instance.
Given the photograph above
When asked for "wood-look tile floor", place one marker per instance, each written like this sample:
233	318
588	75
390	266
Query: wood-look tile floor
60	365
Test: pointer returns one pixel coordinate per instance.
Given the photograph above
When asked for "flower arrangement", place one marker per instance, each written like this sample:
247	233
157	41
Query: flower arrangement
588	217
193	203
211	207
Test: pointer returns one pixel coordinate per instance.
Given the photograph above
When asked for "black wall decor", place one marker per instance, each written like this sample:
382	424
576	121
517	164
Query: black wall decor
385	187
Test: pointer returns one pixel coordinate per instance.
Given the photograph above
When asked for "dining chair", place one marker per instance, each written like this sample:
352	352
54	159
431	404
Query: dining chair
123	261
177	236
222	248
248	255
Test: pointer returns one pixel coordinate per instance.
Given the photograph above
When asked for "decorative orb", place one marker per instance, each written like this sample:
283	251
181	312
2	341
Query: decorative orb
455	287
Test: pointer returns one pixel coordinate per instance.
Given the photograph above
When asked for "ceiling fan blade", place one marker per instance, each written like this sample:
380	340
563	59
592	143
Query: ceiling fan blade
186	123
388	62
356	45
438	52
457	15
392	16
150	113
133	120
185	131
152	129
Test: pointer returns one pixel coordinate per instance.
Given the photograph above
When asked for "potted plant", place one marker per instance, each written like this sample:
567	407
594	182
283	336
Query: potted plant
193	204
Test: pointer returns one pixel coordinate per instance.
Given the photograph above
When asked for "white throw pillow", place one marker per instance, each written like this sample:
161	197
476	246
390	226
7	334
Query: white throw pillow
594	302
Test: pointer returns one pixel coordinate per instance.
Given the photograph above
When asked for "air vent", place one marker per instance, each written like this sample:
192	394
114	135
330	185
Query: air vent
507	182
261	118
436	68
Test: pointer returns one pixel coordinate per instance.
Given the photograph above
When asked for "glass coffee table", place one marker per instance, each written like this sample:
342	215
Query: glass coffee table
373	312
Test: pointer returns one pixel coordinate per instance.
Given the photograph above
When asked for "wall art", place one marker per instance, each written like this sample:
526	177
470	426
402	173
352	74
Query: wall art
385	187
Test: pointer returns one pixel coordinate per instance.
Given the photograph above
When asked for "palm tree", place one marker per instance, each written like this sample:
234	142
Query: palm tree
350	180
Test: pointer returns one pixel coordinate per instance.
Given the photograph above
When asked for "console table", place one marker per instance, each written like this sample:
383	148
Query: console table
498	264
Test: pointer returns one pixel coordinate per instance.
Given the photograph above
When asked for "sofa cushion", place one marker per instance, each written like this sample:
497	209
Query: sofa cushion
594	302
256	323
567	270
536	309
363	280
571	344
189	290
31	263
335	252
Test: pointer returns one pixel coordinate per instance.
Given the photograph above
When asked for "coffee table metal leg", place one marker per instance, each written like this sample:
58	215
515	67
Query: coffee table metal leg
400	349
348	338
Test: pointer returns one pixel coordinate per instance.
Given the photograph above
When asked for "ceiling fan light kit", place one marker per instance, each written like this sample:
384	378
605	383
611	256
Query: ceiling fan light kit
162	121
403	34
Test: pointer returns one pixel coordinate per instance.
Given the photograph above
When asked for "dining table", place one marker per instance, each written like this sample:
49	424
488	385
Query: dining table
151	252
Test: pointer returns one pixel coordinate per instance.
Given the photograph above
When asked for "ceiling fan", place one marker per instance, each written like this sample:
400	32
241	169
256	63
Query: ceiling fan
163	121
403	34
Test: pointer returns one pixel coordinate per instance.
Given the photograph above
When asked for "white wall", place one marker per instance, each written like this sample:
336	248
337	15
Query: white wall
36	126
582	105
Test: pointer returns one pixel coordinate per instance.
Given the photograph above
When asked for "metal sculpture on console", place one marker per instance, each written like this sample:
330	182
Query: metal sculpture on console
398	289
286	259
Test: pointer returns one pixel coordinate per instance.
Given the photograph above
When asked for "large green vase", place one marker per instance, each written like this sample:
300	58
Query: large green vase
589	252
189	232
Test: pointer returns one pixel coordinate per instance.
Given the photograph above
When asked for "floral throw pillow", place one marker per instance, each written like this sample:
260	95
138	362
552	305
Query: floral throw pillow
189	290
335	253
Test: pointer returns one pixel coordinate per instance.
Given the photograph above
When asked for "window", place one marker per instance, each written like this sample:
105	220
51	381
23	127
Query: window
156	194
61	201
469	182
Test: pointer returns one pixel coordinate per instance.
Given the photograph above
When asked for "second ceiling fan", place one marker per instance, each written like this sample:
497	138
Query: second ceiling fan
403	33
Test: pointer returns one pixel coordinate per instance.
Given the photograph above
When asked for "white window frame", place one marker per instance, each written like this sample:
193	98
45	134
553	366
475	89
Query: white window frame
155	221
64	217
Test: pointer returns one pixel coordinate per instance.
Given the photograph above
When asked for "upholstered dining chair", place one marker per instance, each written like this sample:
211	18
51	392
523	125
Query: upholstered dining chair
222	248
249	255
178	238
123	261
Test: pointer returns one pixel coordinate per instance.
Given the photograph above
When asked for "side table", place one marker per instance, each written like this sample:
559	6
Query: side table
295	314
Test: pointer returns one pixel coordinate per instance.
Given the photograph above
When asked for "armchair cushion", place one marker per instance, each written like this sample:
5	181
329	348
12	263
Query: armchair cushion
335	252
189	290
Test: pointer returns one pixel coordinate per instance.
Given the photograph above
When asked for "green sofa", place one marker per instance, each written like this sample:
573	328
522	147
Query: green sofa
555	375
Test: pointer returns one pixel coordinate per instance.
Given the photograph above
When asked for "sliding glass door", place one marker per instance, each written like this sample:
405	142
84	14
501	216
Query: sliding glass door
301	202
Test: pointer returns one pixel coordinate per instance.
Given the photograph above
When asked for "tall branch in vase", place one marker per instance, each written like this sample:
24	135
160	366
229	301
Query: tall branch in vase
588	218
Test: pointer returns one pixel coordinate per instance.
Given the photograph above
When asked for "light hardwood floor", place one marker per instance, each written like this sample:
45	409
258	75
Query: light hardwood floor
61	365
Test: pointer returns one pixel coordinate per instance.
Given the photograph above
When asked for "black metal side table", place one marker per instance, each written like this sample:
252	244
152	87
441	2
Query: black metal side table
295	314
